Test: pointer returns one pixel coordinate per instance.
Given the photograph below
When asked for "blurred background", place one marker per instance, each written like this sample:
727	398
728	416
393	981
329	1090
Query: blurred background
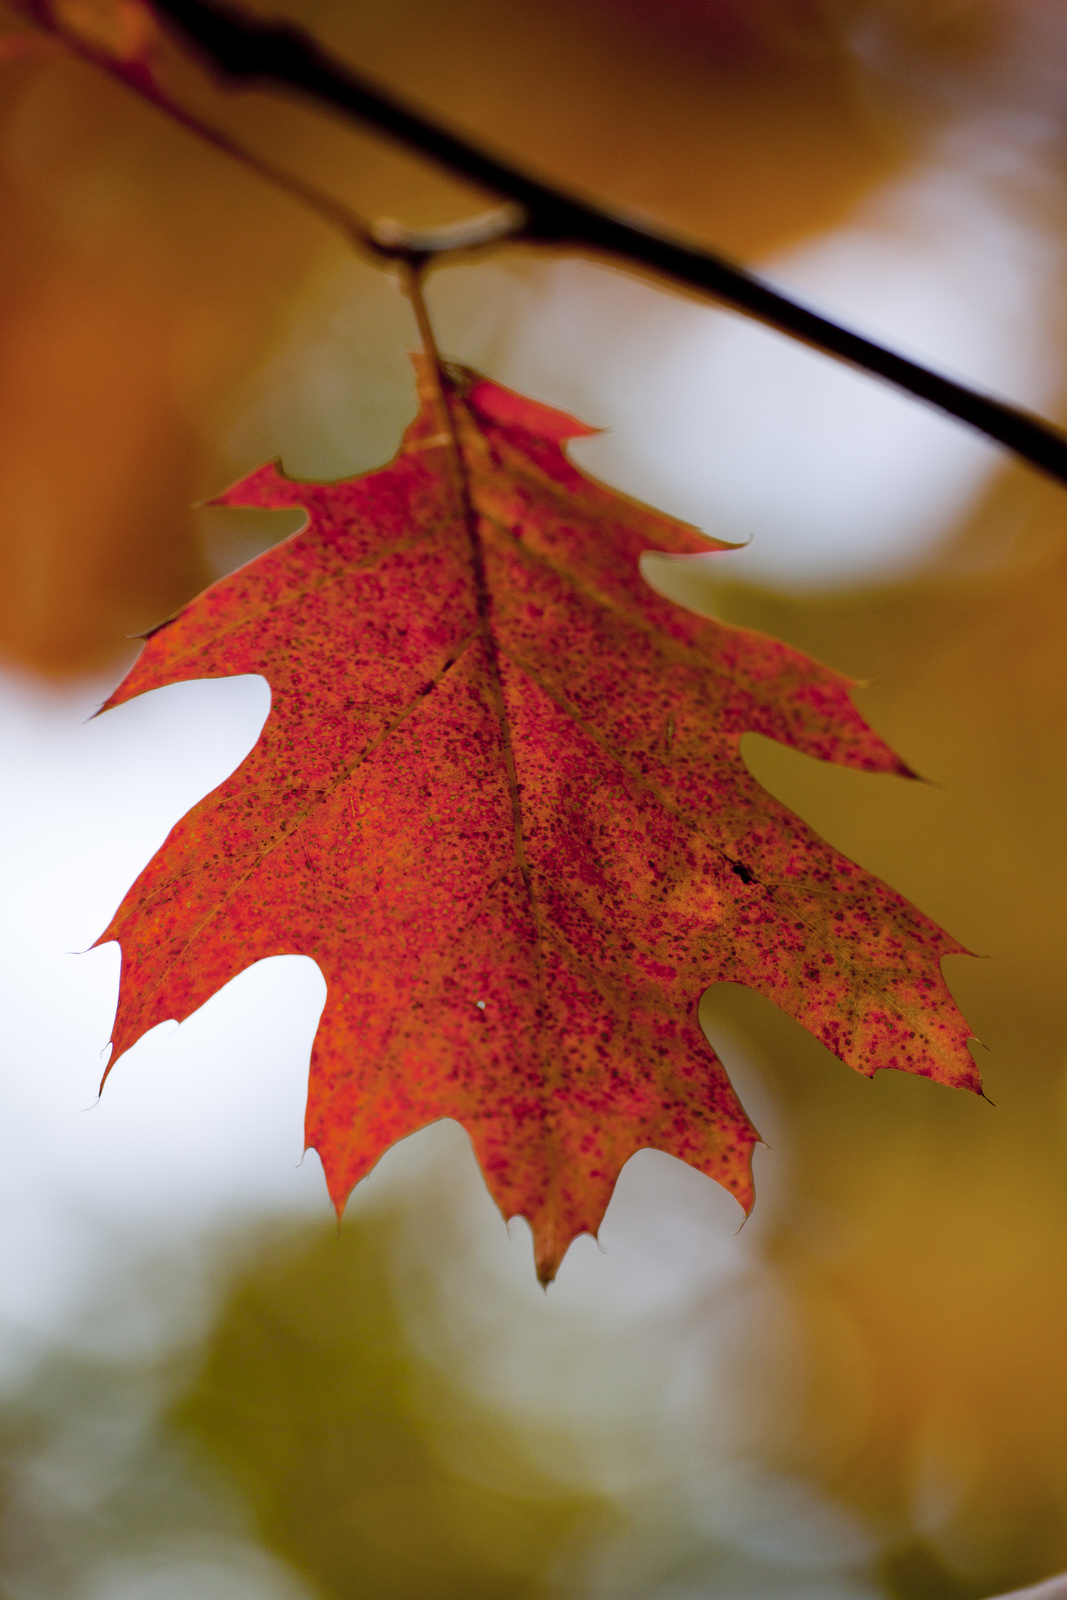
205	1388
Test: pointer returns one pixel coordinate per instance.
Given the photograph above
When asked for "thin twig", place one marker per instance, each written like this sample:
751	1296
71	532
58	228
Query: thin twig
358	230
253	53
381	239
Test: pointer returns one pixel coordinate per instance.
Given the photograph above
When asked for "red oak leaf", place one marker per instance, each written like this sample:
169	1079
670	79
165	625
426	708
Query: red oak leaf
499	799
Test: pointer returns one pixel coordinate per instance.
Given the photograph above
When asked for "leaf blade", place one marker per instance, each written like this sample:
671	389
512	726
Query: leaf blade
499	797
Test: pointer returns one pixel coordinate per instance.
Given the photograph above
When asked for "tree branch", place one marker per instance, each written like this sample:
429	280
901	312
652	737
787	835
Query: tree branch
254	53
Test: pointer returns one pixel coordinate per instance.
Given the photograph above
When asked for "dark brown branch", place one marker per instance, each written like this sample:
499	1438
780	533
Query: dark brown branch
254	53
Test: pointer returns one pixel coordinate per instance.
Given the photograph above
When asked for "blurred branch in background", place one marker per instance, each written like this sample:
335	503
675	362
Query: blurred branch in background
246	51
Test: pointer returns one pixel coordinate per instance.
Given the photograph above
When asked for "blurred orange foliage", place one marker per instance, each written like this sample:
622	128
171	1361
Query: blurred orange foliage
141	275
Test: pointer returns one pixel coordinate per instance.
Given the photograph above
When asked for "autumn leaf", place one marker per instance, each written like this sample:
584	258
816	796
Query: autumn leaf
499	799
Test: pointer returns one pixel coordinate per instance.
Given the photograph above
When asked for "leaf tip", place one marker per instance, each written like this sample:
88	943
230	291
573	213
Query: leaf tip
503	408
551	1243
548	1258
266	487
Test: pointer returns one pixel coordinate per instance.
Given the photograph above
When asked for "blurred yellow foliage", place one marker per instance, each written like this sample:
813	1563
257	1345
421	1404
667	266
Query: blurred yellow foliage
920	1237
316	1403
